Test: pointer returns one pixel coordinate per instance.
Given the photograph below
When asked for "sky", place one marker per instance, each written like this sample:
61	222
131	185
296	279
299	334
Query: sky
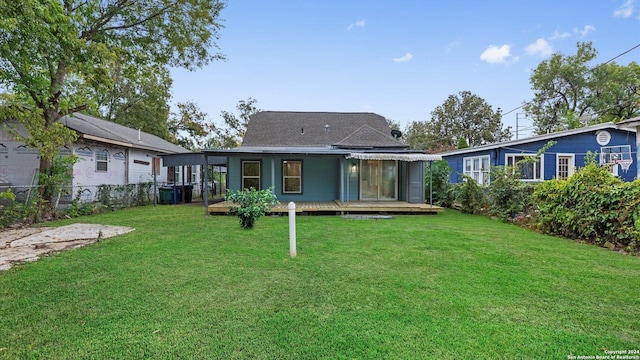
399	59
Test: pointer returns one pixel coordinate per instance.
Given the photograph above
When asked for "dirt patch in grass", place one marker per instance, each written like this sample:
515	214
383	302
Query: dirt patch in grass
18	246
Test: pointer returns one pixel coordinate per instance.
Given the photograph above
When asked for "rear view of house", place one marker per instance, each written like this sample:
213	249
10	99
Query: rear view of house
325	156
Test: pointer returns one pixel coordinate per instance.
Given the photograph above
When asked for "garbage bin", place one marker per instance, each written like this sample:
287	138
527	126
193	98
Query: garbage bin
188	193
165	194
176	194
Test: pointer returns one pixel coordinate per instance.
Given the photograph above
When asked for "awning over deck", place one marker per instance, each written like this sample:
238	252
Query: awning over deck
394	156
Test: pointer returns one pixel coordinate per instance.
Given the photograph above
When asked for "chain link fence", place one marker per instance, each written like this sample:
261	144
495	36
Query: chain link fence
116	196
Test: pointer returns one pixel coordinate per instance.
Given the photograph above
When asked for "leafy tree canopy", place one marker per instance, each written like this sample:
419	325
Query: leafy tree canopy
568	93
465	116
232	133
190	127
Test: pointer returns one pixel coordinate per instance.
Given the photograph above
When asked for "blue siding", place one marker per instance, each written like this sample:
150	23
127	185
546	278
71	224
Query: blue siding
577	144
320	177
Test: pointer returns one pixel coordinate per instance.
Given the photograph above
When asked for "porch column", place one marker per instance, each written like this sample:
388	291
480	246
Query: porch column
273	173
205	188
342	180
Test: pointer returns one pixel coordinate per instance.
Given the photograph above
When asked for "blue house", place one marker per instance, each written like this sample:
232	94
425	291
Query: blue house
614	146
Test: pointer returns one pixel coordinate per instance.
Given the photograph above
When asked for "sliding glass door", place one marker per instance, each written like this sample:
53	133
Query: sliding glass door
378	180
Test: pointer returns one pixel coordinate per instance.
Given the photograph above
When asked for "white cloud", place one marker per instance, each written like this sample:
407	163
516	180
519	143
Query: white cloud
625	10
558	35
496	54
539	48
406	58
358	24
586	30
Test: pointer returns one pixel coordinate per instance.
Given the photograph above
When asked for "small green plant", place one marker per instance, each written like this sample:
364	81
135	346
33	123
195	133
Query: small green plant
470	196
251	204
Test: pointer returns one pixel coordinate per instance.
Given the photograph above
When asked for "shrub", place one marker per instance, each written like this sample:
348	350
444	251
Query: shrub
441	186
592	205
509	196
470	196
251	204
17	212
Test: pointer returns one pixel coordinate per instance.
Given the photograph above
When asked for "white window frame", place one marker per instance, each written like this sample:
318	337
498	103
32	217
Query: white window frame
285	177
540	175
102	157
480	173
572	164
243	176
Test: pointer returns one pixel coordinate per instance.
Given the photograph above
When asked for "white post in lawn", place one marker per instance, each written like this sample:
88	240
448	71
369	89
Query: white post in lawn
292	229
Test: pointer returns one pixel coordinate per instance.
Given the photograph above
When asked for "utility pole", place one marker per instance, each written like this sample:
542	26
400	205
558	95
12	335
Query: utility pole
518	117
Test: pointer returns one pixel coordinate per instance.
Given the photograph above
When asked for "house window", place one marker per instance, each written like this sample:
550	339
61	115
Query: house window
529	171
477	168
102	160
291	177
251	175
565	163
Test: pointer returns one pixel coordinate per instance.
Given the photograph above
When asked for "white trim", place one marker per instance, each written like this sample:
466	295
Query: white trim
572	164
394	156
541	158
535	138
243	176
485	173
285	177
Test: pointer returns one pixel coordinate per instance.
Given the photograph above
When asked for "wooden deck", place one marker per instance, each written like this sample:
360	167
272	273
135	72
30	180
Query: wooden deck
336	208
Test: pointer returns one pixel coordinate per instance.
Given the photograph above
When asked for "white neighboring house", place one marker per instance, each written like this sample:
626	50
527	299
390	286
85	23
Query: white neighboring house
108	153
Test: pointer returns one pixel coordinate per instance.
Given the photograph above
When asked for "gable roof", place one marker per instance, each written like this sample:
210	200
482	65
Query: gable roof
93	128
319	130
545	137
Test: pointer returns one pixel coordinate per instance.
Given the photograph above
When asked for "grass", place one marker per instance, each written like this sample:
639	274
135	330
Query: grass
446	286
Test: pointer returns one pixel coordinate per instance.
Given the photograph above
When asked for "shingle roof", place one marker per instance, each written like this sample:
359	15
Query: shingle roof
319	129
103	130
550	136
365	136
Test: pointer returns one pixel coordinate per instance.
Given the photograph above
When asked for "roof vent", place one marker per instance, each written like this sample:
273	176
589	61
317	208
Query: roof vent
326	128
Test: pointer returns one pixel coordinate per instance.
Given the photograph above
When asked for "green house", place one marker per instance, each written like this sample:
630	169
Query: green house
325	156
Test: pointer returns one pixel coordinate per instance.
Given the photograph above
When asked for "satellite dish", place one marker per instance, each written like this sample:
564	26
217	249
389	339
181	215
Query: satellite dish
396	133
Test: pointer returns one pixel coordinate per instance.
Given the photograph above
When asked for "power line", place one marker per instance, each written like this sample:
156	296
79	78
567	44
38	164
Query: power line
589	70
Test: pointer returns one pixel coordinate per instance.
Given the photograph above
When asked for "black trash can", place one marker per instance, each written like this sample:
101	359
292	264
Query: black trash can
188	193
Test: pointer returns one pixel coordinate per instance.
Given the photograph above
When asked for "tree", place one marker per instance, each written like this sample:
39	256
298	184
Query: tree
52	51
232	134
466	116
560	85
189	127
615	94
139	99
569	94
415	135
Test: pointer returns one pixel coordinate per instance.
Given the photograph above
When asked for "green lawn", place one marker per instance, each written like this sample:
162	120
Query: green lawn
446	286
